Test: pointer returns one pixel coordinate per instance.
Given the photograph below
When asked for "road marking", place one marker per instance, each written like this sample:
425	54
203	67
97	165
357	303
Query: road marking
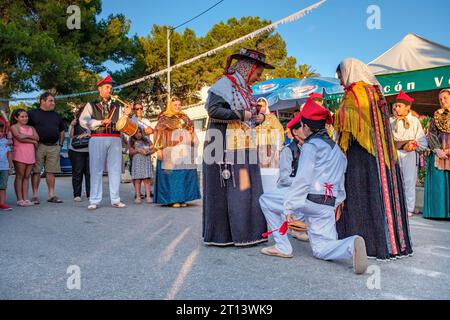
157	233
420	272
417	223
170	250
428	273
181	277
431	249
394	296
430	229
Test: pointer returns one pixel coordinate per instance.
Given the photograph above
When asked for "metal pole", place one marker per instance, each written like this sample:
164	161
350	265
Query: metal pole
168	62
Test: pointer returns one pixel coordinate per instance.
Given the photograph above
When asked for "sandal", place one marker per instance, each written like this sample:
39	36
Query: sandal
302	236
119	205
138	200
28	203
360	262
21	203
55	199
35	200
272	251
148	200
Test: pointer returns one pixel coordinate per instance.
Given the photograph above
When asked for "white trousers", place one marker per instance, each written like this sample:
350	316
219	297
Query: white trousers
408	165
321	228
101	150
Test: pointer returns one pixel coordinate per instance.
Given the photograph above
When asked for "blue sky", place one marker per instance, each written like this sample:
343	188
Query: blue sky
324	37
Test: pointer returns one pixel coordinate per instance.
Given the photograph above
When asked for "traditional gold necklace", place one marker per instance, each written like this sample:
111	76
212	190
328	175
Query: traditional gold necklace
442	120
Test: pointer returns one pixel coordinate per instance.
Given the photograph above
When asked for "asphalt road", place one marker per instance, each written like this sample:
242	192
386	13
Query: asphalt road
149	252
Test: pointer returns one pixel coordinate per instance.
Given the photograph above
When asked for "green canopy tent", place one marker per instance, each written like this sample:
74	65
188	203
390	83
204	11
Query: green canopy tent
417	66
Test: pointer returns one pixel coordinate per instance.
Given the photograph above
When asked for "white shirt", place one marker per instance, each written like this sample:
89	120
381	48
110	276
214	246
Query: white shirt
143	123
86	120
414	132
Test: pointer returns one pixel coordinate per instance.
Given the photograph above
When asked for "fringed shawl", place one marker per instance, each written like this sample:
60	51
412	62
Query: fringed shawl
351	122
165	127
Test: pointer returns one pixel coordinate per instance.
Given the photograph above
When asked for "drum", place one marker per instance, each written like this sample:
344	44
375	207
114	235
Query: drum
127	126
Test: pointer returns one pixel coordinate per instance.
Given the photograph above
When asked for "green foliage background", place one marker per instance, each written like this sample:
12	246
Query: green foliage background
39	52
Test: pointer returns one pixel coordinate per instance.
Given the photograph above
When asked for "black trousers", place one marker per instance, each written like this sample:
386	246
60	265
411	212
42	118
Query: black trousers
80	168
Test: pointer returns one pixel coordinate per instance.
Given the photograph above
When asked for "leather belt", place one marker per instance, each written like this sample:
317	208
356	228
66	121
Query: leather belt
320	199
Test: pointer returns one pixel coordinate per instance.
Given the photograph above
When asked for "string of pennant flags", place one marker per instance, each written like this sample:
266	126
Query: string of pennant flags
269	28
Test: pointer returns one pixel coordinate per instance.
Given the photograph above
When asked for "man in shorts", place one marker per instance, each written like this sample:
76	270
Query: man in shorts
50	127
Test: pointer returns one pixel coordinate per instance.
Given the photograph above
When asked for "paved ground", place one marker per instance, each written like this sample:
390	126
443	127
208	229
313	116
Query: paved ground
148	252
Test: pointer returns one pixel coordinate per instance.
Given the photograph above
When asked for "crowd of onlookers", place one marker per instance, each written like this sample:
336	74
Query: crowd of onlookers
31	142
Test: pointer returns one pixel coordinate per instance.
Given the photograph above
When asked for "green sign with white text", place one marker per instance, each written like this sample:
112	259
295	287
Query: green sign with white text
418	80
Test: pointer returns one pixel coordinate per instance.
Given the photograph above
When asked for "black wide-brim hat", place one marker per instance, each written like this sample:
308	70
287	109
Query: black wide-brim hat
250	54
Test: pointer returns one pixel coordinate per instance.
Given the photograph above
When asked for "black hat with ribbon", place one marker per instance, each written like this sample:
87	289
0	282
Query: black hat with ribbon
250	54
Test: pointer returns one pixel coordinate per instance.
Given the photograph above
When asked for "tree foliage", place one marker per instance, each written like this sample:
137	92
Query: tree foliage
188	80
38	51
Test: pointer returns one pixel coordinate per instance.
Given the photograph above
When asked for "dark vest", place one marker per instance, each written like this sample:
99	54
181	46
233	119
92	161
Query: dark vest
101	113
293	146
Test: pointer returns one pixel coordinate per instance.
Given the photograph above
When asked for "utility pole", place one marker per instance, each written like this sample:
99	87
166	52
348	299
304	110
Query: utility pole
168	62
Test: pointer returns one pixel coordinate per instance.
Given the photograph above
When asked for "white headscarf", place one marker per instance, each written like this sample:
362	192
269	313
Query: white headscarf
262	99
354	70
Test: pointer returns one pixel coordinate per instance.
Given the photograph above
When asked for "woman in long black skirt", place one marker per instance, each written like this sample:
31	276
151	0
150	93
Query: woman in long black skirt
375	206
231	174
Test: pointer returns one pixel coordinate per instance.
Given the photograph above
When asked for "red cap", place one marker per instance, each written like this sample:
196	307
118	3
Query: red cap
315	95
294	121
106	80
315	116
404	98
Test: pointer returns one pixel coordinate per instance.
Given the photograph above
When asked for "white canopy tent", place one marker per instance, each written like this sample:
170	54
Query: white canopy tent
417	66
411	53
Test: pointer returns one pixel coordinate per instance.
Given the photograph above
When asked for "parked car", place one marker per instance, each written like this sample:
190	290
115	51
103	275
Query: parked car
66	165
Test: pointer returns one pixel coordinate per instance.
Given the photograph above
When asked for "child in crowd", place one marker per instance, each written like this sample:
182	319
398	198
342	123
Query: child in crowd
5	166
25	140
140	150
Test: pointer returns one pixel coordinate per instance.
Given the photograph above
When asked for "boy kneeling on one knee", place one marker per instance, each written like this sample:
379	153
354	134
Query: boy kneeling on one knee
317	190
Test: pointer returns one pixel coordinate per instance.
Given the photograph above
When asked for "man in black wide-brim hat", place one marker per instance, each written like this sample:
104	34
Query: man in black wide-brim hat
232	184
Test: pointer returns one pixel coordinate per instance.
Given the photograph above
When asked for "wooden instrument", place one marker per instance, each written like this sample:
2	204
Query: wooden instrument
127	126
116	98
120	100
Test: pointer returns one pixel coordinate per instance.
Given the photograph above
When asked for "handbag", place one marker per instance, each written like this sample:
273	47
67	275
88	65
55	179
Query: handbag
80	143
